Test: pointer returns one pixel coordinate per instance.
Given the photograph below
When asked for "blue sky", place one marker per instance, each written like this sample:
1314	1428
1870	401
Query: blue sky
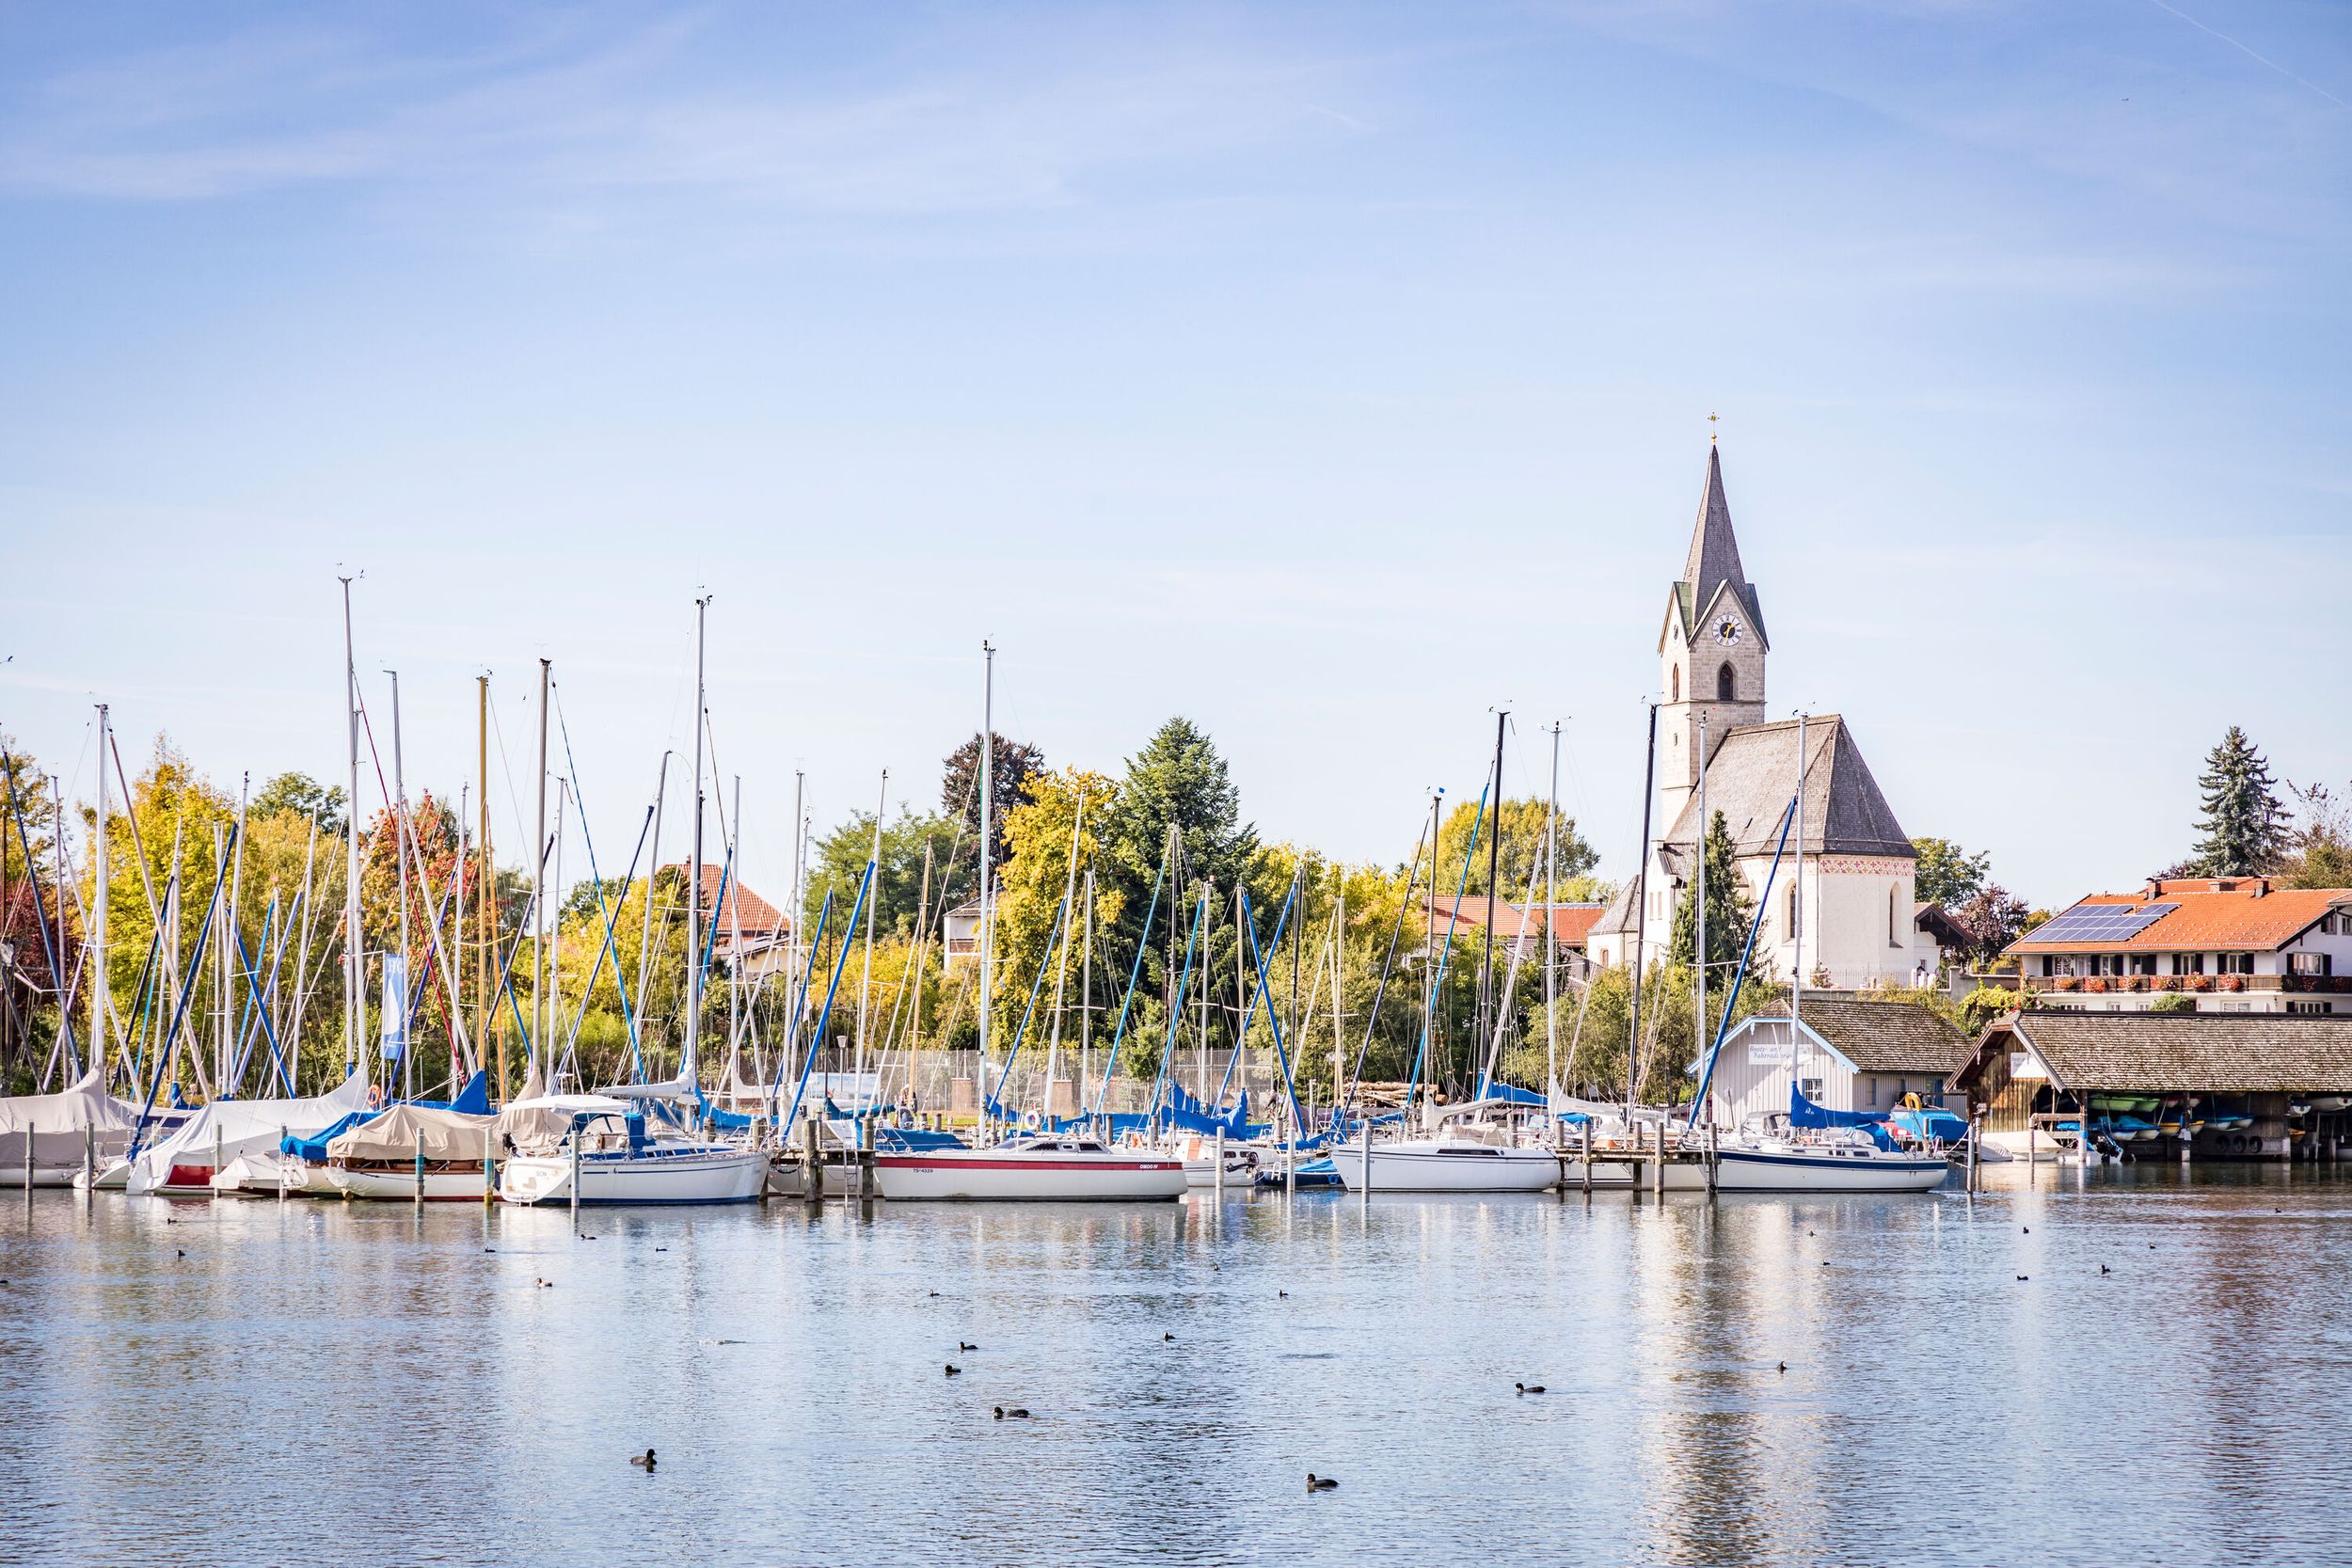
1328	373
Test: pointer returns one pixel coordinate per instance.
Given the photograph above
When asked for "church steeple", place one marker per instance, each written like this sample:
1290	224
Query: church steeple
1710	650
1714	558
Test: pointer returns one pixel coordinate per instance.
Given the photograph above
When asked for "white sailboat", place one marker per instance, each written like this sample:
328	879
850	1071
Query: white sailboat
411	1147
46	1139
229	1129
1459	1156
598	1146
1042	1168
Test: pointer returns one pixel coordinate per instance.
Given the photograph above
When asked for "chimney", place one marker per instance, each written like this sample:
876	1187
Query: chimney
2261	886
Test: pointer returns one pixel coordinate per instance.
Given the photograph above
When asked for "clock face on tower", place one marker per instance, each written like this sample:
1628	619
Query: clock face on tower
1727	631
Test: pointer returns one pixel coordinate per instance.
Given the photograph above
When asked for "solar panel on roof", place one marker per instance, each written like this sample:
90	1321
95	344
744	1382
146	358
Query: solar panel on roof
2101	922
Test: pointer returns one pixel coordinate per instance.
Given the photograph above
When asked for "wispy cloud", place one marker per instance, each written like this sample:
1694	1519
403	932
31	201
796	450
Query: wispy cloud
991	125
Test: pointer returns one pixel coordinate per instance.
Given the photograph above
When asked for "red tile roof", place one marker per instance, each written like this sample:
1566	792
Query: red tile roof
1570	923
757	918
2213	915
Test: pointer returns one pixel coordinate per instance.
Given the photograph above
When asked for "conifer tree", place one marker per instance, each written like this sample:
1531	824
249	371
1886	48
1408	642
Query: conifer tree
1728	908
2244	825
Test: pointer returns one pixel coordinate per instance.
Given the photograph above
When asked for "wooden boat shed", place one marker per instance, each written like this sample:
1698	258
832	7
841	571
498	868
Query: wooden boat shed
1850	1055
2285	1078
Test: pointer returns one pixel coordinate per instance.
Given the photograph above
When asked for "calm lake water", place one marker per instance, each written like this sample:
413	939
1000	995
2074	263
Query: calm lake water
346	1382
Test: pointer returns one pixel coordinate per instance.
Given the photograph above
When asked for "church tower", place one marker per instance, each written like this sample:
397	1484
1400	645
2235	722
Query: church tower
1710	650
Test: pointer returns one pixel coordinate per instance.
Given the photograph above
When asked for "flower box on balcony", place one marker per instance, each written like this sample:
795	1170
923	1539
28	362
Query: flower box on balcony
2095	986
2233	982
2167	982
2066	982
2136	982
2198	982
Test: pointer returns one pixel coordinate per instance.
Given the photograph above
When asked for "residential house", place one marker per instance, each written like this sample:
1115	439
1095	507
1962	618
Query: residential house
2231	945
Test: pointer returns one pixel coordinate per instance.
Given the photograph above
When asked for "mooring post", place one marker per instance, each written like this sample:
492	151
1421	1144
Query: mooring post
419	1170
1218	1162
1658	1171
217	1145
812	1174
490	1172
575	1176
89	1154
1976	1136
1584	1139
1366	1140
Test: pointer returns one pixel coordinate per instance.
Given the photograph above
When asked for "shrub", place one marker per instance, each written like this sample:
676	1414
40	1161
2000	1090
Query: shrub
2175	1002
1984	1005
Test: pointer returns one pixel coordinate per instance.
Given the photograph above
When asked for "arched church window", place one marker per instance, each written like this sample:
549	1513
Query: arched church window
1678	695
1726	683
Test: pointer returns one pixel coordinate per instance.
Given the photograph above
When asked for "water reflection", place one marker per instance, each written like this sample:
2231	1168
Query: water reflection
302	1382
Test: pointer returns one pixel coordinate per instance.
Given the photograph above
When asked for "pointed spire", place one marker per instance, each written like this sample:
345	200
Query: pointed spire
1714	552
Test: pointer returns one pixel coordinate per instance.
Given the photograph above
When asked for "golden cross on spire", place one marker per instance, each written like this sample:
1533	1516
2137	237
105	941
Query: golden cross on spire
1711	429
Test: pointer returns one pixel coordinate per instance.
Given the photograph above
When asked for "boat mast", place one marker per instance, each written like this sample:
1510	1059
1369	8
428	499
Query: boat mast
1061	969
689	1066
1487	1001
400	848
532	1058
1796	926
735	937
354	1000
866	976
1641	921
988	807
485	1024
98	914
1699	954
644	937
1552	917
1085	990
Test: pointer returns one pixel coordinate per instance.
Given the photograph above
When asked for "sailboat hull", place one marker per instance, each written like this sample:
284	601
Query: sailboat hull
703	1174
1018	1176
400	1186
1441	1167
1742	1171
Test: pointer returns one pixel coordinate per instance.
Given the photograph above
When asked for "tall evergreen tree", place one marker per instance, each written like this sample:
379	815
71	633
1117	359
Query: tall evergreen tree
2244	825
1729	911
1179	782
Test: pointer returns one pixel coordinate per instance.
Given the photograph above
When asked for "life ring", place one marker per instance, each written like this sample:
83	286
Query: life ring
376	1097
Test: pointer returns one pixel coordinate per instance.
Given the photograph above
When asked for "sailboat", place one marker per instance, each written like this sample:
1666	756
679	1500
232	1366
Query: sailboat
625	1144
47	1139
1041	1166
1811	1149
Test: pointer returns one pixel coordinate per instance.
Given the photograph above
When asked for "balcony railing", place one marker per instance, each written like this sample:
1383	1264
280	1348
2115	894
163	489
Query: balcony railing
2113	985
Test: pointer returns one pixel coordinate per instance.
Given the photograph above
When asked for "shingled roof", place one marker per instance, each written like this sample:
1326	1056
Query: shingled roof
1886	1037
1753	773
2179	1053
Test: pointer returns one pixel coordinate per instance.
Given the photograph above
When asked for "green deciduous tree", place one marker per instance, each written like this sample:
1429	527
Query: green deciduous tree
1947	873
1521	825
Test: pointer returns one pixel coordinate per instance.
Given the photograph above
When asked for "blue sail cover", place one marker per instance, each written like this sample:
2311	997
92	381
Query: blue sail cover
1805	1113
1512	1093
725	1121
314	1150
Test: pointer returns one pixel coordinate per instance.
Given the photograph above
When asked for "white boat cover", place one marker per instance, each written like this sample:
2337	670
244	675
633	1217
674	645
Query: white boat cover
238	1127
395	1134
54	1123
542	1120
84	1102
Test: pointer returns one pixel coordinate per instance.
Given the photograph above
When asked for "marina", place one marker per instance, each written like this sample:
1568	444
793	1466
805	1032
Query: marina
1184	1363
